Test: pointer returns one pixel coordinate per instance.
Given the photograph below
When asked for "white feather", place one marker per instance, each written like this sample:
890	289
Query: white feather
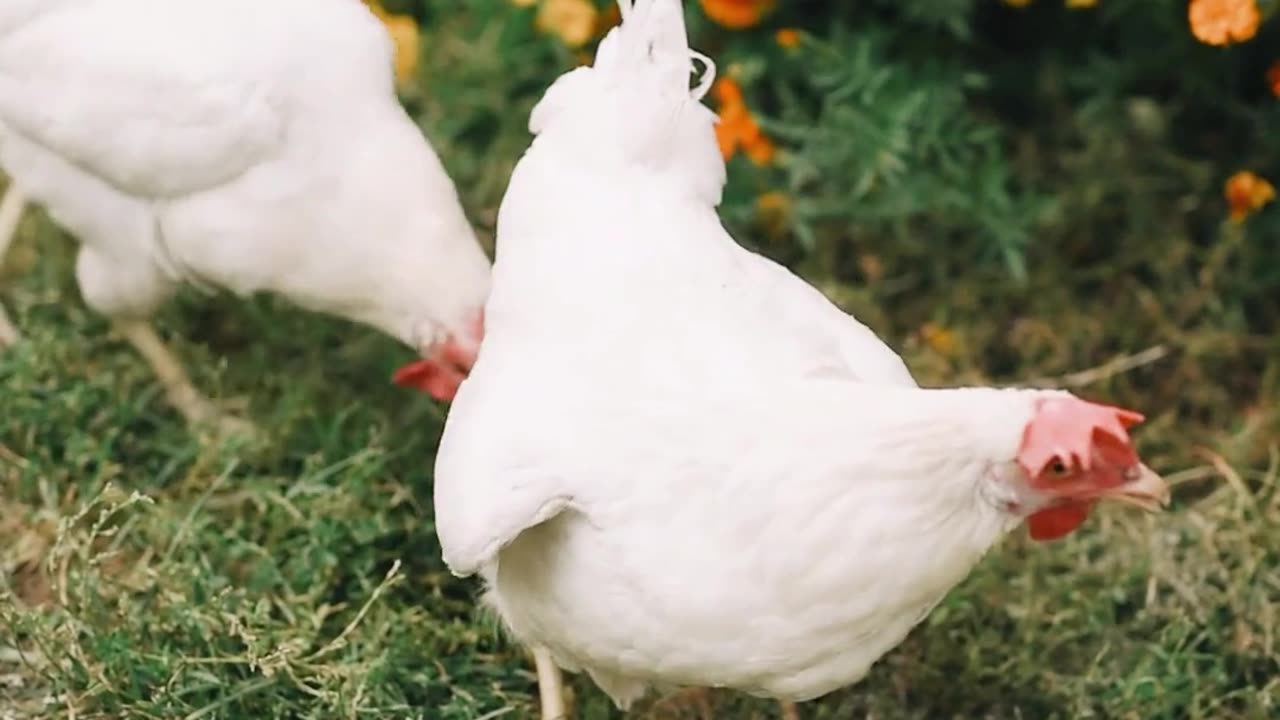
255	147
675	462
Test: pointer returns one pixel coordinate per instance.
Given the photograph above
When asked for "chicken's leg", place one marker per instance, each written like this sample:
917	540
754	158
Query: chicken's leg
550	686
10	214
195	407
9	334
789	711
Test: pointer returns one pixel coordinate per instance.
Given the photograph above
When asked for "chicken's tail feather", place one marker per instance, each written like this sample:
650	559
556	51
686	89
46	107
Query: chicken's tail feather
637	104
646	59
652	39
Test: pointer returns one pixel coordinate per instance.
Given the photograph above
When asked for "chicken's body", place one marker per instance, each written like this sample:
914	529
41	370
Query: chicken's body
235	145
776	541
676	464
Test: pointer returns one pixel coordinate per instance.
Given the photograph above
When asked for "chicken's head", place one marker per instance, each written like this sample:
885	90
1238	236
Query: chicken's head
1075	453
446	361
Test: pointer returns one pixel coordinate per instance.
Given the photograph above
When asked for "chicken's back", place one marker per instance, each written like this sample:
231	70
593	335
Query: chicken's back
610	220
645	276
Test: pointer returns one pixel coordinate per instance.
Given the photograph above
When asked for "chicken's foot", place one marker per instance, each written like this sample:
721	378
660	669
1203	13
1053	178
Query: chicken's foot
198	410
550	686
11	208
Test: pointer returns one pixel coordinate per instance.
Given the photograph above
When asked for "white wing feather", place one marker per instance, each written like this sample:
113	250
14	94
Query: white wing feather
169	116
863	355
484	496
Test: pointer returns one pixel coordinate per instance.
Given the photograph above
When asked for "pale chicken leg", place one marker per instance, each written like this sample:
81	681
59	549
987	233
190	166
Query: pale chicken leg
550	686
10	215
182	395
188	401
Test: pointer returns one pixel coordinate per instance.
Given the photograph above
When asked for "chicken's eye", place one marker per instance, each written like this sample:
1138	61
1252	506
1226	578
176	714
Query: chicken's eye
1058	468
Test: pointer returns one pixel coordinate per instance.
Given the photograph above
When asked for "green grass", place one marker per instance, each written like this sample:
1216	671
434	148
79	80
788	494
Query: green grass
143	575
147	576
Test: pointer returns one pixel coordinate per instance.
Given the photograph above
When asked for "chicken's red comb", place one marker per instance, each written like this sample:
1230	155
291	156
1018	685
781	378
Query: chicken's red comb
1063	428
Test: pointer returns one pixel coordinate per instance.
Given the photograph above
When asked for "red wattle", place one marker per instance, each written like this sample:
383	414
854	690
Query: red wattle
1058	521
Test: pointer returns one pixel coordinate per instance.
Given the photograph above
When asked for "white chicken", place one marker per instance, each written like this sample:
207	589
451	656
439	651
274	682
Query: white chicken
238	145
674	464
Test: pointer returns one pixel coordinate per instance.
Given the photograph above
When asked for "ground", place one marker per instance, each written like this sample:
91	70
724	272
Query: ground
151	576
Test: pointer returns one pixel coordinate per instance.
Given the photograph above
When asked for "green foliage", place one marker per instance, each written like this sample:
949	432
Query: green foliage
951	123
1007	195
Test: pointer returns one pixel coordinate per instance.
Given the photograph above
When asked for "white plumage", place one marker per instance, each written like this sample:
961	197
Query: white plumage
239	145
674	463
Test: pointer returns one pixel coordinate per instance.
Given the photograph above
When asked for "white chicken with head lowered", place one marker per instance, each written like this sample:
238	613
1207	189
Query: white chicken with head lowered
673	464
239	145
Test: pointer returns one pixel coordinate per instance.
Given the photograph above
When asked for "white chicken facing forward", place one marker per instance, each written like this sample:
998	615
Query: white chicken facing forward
238	145
675	464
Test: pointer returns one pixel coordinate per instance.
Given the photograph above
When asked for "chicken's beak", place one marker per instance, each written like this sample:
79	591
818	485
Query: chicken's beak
1146	490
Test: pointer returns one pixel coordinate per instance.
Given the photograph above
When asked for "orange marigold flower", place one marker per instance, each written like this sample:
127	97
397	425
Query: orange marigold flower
939	338
774	201
726	91
1245	193
605	21
573	21
737	14
736	128
788	38
774	210
608	20
871	266
1273	78
760	150
1221	22
403	30
1080	4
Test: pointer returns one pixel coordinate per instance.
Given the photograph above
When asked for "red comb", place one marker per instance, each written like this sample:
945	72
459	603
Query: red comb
1064	428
